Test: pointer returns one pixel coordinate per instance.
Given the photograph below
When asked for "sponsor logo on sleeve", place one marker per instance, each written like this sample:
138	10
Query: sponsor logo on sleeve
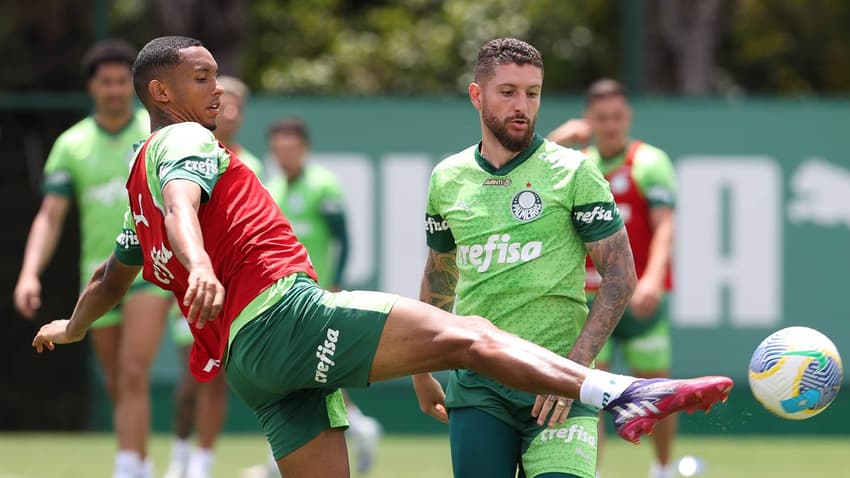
597	214
127	239
206	167
434	224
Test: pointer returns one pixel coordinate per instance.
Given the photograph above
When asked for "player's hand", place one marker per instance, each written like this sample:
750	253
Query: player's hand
53	333
432	399
27	296
559	407
573	132
646	298
204	296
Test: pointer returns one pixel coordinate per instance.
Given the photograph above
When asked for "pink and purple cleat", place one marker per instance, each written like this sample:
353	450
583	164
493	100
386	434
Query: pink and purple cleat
647	401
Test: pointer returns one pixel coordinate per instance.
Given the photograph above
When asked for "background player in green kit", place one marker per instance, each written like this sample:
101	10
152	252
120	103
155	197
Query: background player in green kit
643	181
203	406
311	197
509	222
89	164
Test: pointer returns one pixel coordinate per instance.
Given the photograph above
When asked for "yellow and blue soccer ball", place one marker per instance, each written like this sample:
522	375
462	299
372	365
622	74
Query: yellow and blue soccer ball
796	373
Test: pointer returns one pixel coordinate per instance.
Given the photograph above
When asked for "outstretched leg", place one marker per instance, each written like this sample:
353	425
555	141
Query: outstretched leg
419	338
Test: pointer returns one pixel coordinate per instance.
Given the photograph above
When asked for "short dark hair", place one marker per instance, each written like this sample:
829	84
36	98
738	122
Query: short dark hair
505	51
159	53
603	88
107	51
293	126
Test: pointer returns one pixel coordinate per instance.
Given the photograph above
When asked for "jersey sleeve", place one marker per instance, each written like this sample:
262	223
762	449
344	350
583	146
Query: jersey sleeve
656	177
438	235
127	248
192	153
58	175
594	213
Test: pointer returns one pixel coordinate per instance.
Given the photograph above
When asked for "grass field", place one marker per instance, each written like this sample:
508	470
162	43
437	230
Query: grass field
90	455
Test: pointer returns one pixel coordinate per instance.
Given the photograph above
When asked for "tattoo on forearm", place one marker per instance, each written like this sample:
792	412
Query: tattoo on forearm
612	256
439	280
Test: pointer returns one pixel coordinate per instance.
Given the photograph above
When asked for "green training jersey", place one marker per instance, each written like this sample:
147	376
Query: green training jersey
519	233
91	165
307	202
652	171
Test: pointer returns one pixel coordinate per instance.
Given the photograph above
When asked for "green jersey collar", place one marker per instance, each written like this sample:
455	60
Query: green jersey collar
117	132
536	142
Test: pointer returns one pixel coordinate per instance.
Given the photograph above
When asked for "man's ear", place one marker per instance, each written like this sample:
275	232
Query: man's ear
475	95
158	92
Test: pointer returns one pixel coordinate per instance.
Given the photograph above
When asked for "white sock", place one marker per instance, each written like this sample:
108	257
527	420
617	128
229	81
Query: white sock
147	468
200	463
180	451
128	464
600	387
657	470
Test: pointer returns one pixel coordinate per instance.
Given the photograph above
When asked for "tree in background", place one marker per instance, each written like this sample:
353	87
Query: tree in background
696	47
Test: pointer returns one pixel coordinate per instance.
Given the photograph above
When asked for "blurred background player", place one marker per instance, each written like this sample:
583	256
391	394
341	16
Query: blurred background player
509	222
311	197
89	164
203	406
643	181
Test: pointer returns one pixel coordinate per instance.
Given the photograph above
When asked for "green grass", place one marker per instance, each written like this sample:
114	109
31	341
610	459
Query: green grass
90	455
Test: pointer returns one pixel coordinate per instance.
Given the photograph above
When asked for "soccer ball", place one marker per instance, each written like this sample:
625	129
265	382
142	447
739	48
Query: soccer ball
796	373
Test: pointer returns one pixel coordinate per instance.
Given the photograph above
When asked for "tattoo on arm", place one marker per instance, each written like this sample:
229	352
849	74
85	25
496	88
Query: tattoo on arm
612	256
439	280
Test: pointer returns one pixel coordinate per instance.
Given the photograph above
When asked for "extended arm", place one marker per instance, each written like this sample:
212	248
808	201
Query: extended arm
103	292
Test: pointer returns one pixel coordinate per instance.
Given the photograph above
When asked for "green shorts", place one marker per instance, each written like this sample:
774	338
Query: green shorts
650	350
113	317
287	363
568	448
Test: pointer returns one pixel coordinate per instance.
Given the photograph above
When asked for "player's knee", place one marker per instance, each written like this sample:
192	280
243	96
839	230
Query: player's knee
133	377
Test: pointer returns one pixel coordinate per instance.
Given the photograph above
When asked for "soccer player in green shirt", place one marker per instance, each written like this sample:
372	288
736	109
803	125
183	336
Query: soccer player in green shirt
310	196
204	405
509	222
89	164
643	182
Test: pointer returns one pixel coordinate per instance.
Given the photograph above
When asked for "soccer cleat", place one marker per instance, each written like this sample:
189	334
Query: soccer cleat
646	401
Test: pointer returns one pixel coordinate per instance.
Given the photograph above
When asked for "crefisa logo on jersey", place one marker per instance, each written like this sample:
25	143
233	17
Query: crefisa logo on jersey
526	205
